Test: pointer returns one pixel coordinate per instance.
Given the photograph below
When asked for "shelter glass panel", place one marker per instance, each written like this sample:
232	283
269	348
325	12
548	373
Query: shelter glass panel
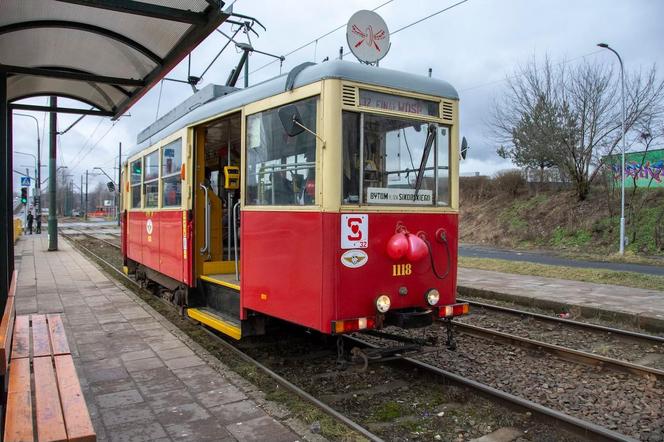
281	169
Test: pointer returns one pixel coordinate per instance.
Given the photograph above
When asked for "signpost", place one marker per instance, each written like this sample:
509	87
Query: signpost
25	181
368	37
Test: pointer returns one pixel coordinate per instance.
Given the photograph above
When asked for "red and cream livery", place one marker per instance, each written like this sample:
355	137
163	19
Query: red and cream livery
327	198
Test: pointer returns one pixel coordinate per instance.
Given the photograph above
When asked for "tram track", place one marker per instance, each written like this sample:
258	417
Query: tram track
577	426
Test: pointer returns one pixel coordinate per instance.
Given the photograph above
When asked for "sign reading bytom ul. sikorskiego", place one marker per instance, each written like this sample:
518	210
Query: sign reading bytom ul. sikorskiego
367	36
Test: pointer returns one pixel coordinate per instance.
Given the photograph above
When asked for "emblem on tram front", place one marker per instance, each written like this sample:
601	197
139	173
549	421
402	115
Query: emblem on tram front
148	227
354	258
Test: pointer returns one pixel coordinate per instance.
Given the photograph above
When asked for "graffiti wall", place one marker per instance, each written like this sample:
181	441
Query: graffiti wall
648	168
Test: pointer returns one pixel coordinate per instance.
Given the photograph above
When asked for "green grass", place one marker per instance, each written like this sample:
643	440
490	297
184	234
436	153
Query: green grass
564	238
599	276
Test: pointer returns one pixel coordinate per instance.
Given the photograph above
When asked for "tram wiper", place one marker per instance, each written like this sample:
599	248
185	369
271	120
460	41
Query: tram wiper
428	144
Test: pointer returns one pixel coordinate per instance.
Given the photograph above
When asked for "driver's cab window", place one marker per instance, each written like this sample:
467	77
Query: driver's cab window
402	161
281	168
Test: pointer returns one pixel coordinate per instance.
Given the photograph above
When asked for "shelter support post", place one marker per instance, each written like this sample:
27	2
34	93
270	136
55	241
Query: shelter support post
52	151
6	195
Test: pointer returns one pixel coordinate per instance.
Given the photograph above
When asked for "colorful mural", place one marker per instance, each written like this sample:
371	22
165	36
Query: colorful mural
648	168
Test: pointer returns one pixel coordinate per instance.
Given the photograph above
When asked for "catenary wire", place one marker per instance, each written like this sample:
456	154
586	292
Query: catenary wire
315	40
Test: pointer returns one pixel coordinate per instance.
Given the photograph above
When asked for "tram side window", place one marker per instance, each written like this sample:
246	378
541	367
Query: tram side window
135	181
151	179
171	162
281	170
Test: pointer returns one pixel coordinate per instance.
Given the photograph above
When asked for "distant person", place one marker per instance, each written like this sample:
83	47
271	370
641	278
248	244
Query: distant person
30	220
39	222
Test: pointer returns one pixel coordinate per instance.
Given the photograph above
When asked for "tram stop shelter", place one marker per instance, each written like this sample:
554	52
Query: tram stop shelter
104	53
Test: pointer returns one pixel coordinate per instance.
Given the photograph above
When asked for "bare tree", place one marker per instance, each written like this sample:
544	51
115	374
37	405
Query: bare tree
576	111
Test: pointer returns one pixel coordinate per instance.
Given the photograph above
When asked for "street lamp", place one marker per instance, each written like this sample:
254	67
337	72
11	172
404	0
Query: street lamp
38	174
622	198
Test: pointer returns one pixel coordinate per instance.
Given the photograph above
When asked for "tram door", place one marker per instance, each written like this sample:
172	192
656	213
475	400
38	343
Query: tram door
218	147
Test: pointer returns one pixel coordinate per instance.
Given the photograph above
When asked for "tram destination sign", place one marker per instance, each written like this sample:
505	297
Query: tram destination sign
397	103
389	195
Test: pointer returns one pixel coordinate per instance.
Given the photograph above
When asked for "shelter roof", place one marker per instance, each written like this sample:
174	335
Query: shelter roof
106	53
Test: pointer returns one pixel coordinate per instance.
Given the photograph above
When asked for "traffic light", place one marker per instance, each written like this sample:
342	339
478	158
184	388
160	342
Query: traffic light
24	195
110	186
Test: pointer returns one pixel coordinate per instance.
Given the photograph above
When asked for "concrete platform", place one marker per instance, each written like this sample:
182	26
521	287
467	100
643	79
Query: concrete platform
142	379
640	307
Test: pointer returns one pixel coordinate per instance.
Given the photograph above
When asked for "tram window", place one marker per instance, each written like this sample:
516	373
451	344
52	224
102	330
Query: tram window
281	170
135	181
171	162
394	150
151	179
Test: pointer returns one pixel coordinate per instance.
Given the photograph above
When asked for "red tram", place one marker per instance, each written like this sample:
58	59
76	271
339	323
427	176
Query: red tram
327	197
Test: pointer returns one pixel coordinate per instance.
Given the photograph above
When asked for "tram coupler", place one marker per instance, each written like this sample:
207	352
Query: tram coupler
383	354
429	341
451	340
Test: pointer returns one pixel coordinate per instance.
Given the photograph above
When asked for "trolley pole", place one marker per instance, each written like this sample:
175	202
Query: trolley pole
52	148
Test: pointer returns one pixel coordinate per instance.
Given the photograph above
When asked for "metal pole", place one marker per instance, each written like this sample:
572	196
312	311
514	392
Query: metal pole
27	204
246	71
85	210
81	189
6	195
624	128
52	155
119	195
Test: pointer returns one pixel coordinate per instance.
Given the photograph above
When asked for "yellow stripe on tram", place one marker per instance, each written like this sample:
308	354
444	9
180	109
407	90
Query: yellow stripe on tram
215	322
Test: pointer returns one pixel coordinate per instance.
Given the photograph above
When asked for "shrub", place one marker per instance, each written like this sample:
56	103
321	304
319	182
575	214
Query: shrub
510	182
475	187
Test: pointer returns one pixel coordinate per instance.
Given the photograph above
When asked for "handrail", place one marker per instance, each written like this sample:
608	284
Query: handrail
235	220
206	248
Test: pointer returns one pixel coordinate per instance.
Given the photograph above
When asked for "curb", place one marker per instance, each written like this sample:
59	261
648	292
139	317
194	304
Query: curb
648	321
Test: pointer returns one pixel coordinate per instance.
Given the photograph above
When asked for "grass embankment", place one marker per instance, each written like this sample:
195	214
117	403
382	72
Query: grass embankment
555	220
599	276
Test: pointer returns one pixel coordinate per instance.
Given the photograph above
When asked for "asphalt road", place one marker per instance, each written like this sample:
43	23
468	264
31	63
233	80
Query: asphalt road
543	258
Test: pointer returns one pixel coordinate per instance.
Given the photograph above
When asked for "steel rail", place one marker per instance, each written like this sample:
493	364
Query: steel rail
89	235
277	378
587	430
570	322
568	354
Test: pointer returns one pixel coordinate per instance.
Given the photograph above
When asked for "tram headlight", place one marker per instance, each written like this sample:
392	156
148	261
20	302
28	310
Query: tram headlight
383	303
432	297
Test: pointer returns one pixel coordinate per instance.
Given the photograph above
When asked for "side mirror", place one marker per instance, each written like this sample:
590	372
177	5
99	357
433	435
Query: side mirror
464	148
290	117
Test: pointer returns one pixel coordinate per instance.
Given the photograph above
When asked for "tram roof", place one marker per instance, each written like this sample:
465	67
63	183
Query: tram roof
299	76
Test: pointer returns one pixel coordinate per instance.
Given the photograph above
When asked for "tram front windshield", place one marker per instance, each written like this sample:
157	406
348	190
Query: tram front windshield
395	152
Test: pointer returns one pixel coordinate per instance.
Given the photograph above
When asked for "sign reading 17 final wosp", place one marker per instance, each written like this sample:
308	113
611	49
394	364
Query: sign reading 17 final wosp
367	36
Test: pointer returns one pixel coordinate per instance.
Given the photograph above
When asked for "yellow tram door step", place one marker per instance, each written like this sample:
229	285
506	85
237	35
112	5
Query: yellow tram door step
215	322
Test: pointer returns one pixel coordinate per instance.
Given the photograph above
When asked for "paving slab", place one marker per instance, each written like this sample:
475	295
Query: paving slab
640	307
141	381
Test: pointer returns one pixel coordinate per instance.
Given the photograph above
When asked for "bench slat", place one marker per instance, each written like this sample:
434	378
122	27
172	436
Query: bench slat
40	338
50	423
18	419
58	338
21	344
6	329
77	420
19	376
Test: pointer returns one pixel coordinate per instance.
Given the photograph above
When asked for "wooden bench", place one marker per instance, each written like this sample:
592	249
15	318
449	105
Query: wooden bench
6	330
43	389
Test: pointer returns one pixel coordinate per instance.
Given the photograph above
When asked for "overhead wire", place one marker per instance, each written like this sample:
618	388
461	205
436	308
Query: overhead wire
433	14
315	40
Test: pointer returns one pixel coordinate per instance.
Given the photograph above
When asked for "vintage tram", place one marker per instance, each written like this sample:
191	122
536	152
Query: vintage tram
326	197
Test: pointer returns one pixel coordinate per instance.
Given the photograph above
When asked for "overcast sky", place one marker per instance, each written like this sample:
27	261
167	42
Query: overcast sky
474	46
